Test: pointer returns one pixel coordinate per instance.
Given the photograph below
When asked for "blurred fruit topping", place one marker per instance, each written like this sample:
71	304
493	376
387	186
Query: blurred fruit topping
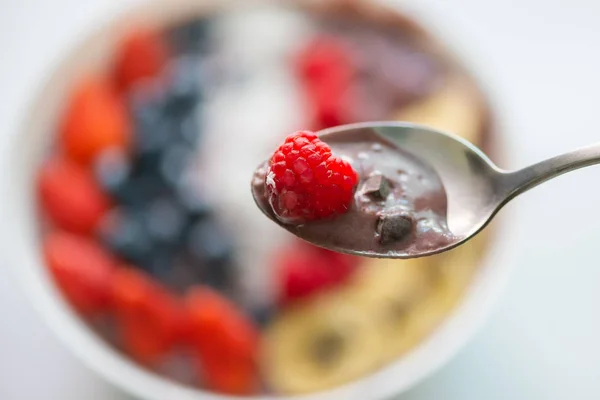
304	270
142	54
150	320
327	73
320	344
230	377
305	182
82	269
225	340
95	120
70	196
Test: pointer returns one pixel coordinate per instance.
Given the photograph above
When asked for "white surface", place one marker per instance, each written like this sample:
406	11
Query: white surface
541	343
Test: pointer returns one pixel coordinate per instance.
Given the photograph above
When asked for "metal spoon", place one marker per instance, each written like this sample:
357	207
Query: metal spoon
476	188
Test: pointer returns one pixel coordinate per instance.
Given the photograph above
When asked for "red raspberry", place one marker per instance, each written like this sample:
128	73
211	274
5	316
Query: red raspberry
70	196
150	320
305	182
305	270
327	71
325	61
82	269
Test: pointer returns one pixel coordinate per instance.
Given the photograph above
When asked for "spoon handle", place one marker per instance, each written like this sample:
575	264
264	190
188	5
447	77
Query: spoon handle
517	182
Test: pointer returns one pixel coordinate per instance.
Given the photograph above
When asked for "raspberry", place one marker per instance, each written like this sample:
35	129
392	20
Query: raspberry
328	73
305	182
150	320
325	61
82	269
70	196
305	270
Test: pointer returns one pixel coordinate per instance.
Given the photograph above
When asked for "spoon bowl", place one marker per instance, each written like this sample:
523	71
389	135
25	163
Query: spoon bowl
476	189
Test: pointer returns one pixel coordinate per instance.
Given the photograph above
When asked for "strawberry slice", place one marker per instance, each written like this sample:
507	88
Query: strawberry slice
82	269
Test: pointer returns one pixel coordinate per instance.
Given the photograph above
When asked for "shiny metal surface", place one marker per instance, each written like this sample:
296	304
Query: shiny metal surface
476	188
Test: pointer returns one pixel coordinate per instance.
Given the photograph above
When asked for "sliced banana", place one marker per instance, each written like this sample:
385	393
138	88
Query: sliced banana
455	108
389	289
454	271
383	280
321	344
456	268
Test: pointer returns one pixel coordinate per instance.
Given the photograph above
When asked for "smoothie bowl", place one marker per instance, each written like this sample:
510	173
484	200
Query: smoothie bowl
139	240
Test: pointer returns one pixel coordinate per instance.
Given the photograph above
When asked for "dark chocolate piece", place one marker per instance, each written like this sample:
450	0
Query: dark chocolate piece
392	228
376	187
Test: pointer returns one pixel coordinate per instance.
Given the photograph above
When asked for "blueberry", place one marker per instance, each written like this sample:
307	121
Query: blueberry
165	220
183	92
141	188
218	276
151	127
160	264
207	241
112	169
192	36
195	206
211	254
123	233
174	161
150	140
187	129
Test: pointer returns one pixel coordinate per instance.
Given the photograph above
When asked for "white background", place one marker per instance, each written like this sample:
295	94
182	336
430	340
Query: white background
541	60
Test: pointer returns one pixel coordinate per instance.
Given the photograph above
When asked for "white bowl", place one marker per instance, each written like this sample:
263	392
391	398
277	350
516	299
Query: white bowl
23	157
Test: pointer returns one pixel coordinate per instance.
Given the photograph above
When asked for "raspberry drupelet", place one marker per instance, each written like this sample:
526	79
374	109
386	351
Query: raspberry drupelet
306	182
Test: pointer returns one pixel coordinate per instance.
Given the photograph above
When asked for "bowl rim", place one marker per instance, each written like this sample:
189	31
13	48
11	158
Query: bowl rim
21	160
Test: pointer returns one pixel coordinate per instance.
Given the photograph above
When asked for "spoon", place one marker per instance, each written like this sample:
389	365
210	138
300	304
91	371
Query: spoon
476	188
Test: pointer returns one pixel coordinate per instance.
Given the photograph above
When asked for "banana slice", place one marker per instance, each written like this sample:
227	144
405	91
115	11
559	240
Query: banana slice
456	108
321	344
389	289
385	280
454	272
456	268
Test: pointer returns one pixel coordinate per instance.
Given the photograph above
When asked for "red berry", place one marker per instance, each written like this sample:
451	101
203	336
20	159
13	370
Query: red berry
326	69
70	196
230	377
325	61
225	342
305	182
217	328
150	320
141	55
82	269
305	270
95	120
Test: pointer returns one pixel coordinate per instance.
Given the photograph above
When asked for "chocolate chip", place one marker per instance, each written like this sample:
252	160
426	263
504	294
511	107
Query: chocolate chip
392	228
377	187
